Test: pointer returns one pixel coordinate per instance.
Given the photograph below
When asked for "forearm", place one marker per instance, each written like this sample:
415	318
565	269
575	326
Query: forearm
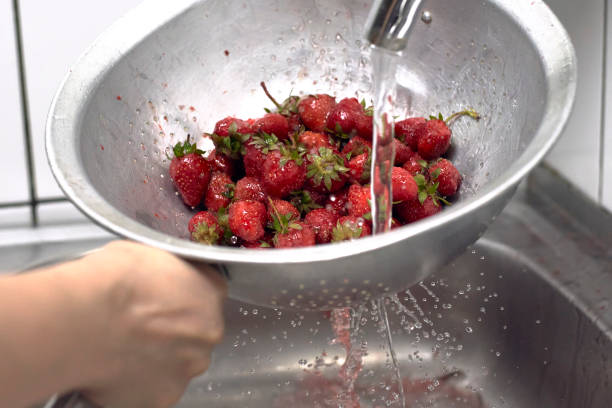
44	335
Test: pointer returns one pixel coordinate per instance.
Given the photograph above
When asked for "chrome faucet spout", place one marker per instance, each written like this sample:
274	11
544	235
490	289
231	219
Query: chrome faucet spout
390	23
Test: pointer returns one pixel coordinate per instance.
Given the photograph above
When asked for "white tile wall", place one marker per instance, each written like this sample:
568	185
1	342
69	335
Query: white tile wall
13	177
55	33
576	155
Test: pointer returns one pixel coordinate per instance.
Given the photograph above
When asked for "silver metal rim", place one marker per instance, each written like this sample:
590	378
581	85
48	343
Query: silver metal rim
62	132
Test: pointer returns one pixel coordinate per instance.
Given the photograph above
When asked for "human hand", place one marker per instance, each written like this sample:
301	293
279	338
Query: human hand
153	322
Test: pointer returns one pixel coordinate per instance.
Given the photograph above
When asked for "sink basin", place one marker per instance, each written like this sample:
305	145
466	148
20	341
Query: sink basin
520	320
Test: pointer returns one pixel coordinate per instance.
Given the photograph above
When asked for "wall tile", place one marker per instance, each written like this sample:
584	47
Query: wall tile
576	155
55	33
13	176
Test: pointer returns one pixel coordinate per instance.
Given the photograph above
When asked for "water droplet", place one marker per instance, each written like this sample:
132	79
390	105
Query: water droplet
468	329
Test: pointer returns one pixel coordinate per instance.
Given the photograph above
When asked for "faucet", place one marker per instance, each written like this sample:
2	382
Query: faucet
390	23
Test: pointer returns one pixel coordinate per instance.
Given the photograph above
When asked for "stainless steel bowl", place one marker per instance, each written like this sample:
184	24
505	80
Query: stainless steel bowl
162	72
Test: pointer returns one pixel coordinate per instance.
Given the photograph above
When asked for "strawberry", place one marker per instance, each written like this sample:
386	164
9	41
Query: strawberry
314	140
364	126
343	118
411	211
283	173
274	124
298	235
323	222
285	221
314	111
190	172
415	164
256	150
232	135
356	146
446	175
220	192
228	125
222	163
338	202
349	228
327	171
410	130
358	200
359	168
283	208
252	160
435	141
204	228
247	219
403	185
402	152
250	188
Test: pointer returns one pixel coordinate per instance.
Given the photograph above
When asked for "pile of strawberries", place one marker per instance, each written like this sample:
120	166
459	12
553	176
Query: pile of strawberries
299	176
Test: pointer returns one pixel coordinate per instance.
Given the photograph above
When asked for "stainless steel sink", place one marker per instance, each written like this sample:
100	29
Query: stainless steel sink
522	319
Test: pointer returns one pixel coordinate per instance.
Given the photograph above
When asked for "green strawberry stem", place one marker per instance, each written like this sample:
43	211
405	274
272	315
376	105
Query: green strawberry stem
269	95
183	149
468	112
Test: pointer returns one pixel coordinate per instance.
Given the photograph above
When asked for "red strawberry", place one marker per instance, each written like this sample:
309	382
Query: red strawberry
314	140
323	222
435	141
314	111
282	173
224	126
338	202
274	124
364	126
414	165
358	200
359	168
204	228
410	130
349	228
247	219
298	235
277	208
222	163
250	188
402	152
326	170
253	160
447	175
411	211
220	192
404	187
190	172
343	118
356	146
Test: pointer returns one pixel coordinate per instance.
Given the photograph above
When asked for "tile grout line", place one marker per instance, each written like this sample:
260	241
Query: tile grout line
604	86
26	114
